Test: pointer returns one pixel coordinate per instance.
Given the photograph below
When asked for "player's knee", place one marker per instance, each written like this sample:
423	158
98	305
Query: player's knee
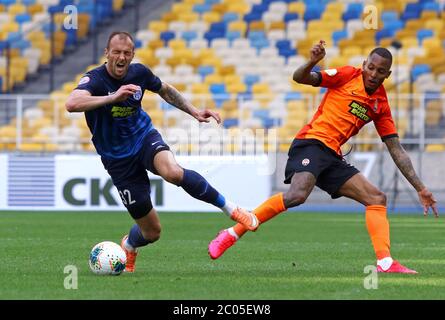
294	198
377	198
174	174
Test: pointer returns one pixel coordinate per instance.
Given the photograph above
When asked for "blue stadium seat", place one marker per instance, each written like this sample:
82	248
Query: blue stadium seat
253	16
393	24
203	71
431	6
353	11
256	35
412	11
166	36
338	35
419	69
313	12
259	8
251	79
220	98
217	88
230	122
271	122
290	16
424	33
211	35
201	8
389	16
189	35
287	52
28	2
7	2
229	17
261	113
283	44
259	43
384	33
21	18
232	35
293	95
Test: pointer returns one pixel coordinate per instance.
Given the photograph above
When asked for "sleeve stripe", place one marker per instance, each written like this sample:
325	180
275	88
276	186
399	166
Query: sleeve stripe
394	135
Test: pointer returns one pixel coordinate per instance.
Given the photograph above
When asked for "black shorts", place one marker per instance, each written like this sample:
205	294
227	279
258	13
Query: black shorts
311	155
129	175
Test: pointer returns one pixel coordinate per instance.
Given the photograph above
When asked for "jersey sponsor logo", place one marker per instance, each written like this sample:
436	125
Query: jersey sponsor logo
331	72
138	94
84	80
359	111
122	112
305	162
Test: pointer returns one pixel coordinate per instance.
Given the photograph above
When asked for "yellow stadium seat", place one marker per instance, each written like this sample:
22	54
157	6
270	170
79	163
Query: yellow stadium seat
221	8
211	17
194	1
238	87
188	17
240	26
10	27
435	24
158	26
181	8
177	44
35	8
200	88
239	7
297	7
277	25
118	5
435	148
83	20
257	26
17	8
213	78
428	15
169	17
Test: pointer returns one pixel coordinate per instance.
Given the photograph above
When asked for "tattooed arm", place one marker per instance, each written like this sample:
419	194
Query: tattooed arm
403	162
171	95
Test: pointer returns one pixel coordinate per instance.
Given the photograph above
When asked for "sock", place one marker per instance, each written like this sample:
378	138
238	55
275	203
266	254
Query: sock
266	211
378	229
135	239
385	263
198	187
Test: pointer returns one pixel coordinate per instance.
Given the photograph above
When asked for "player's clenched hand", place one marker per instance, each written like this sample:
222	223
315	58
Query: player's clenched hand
427	200
204	115
124	92
318	52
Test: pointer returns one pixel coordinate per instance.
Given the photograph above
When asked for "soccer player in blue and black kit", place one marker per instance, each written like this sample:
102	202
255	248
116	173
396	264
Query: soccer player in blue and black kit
129	145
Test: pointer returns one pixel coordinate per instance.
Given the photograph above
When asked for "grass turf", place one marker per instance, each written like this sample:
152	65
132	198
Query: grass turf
294	256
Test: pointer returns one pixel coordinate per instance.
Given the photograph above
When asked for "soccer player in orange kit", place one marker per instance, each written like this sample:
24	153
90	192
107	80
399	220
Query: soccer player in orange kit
355	97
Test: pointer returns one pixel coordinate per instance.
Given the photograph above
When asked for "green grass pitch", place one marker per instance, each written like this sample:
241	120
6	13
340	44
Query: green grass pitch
294	256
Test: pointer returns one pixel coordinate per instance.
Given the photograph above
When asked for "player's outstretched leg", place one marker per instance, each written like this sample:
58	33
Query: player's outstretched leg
198	187
378	229
136	238
228	237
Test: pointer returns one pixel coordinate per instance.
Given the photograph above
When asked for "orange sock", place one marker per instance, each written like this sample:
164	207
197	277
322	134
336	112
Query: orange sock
267	210
378	229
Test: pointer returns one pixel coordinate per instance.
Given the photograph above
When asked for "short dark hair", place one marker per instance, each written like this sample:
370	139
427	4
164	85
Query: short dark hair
383	52
121	34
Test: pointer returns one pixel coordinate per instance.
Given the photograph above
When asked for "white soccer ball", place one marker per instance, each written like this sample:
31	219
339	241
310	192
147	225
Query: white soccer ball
107	258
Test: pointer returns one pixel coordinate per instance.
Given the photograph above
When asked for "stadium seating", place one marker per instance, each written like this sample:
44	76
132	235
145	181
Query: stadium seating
237	52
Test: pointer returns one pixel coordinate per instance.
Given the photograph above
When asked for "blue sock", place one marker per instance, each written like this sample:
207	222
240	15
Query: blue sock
135	237
198	187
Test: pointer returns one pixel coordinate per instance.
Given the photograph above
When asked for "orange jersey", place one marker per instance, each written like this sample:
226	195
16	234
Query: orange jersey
346	108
